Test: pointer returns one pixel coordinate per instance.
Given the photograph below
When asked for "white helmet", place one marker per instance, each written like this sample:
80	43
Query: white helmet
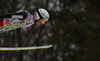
41	14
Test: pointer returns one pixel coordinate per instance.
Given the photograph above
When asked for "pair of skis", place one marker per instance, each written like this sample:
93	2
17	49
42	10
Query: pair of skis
16	26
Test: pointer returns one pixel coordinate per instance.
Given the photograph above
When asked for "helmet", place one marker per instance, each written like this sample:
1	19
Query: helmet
42	15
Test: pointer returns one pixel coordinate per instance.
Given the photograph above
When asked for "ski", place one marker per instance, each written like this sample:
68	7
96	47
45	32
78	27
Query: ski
24	48
13	26
8	19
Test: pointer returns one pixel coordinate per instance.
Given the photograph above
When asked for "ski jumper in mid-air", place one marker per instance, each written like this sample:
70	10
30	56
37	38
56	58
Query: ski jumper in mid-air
7	22
39	18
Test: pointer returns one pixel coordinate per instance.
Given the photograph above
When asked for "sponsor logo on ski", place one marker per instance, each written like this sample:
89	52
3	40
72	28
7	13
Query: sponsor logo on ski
12	26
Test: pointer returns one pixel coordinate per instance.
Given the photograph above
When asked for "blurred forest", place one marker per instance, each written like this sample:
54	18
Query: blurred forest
73	29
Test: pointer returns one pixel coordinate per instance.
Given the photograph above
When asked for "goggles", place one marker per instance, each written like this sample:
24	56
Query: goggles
43	21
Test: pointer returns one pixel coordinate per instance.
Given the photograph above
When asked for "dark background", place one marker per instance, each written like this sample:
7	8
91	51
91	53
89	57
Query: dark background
73	29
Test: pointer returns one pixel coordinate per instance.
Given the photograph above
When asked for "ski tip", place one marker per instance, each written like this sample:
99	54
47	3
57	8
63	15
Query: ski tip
49	46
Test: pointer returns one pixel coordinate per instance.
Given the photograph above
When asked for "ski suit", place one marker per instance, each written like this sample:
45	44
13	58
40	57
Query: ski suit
7	21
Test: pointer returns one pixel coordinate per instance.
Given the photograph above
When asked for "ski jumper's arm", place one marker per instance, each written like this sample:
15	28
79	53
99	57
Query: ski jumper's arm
28	18
5	18
22	12
8	19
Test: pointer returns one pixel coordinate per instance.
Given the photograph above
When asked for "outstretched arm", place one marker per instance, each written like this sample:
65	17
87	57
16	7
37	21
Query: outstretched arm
20	15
